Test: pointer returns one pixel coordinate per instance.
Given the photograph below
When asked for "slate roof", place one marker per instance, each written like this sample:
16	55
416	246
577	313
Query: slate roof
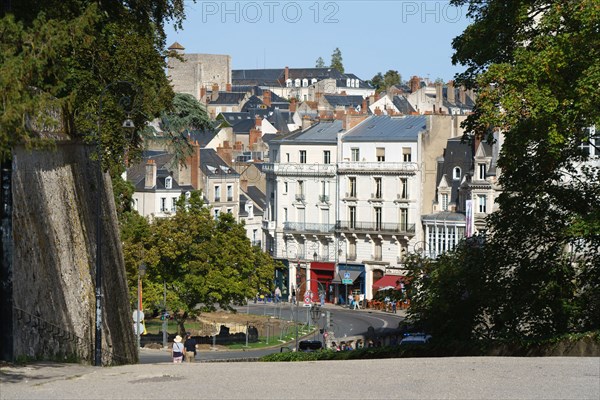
244	126
387	129
402	104
228	98
136	174
280	120
257	196
254	77
202	137
456	154
324	132
344	101
444	216
469	103
276	76
212	165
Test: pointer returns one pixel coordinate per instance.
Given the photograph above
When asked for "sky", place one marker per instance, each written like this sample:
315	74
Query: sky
412	37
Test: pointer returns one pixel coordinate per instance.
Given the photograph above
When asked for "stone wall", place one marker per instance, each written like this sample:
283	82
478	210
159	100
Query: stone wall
199	71
54	239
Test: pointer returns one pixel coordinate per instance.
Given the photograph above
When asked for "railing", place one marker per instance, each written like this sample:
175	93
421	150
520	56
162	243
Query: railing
308	227
324	198
268	225
358	166
229	198
299	197
373	226
295	169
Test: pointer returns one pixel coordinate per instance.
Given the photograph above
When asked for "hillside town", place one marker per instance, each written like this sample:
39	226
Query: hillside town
335	180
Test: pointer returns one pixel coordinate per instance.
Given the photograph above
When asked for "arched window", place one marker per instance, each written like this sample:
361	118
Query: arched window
456	173
313	81
288	83
297	82
304	82
168	182
348	81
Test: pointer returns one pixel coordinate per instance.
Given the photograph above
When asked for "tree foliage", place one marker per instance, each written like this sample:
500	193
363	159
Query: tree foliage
59	58
336	60
204	262
535	65
320	63
382	82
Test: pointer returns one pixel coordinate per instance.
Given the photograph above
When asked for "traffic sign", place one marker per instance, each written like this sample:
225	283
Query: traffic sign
346	275
135	315
347	280
307	301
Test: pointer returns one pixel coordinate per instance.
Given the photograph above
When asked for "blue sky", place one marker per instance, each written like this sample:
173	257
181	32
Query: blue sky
412	37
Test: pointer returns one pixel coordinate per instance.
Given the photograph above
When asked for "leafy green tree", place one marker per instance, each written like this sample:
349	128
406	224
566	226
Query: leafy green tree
377	82
535	66
336	60
391	78
320	63
58	58
204	262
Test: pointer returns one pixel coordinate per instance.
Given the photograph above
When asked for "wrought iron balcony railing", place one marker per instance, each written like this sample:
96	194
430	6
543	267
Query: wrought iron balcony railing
372	226
308	227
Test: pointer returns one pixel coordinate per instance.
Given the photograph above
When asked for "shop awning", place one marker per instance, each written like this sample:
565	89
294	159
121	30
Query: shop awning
388	282
322	266
339	276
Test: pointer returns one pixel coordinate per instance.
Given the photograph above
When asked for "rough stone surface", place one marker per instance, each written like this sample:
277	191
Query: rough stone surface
54	236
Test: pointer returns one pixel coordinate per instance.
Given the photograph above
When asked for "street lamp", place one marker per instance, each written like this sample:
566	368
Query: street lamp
141	273
315	315
128	123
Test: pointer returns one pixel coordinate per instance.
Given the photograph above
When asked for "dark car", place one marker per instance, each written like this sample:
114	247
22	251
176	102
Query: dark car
415	339
310	345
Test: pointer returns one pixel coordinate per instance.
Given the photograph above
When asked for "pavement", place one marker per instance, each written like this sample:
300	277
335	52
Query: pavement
404	378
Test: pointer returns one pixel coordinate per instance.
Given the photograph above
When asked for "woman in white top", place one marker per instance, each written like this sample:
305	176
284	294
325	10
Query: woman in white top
177	350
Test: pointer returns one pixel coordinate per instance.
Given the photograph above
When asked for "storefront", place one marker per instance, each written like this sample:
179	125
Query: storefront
321	275
355	274
282	278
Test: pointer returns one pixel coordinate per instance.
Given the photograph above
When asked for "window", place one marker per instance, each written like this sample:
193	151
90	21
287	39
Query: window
326	157
285	214
300	191
351	250
481	202
230	211
168	182
378	188
378	219
229	192
216	213
445	202
352	185
135	204
456	173
297	82
163	204
287	157
288	83
481	172
304	82
380	154
352	217
404	188
217	193
404	219
285	187
173	204
355	154
302	156
378	254
324	197
406	154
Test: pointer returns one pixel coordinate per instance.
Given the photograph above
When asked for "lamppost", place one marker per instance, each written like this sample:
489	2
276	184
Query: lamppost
315	315
141	273
128	123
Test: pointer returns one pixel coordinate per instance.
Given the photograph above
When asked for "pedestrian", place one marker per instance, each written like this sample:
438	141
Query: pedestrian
190	348
394	305
322	299
350	300
177	350
356	300
277	294
293	295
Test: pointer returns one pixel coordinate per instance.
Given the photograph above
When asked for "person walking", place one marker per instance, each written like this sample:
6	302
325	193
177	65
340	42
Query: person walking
277	295
293	295
356	300
177	350
322	298
190	348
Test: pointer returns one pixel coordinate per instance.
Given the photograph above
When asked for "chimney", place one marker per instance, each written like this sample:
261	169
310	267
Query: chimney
293	105
253	138
462	95
439	93
352	120
267	97
306	122
202	98
377	111
225	152
414	84
363	106
451	98
215	92
228	87
339	114
286	74
258	122
150	180
244	184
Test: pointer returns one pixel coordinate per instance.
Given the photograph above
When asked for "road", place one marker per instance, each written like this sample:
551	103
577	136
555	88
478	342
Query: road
345	323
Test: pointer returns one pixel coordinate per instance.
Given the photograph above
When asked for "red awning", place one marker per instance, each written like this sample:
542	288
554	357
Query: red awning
322	266
389	281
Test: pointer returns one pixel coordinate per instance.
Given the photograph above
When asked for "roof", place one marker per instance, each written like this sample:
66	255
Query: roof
345	101
257	196
384	128
137	172
254	77
444	216
322	132
402	104
244	126
176	46
202	137
229	98
456	154
212	165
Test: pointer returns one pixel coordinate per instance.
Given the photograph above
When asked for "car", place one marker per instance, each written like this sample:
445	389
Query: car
415	339
310	345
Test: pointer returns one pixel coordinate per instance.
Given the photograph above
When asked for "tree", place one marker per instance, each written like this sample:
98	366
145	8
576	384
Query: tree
57	58
204	262
336	60
320	63
535	67
391	78
377	82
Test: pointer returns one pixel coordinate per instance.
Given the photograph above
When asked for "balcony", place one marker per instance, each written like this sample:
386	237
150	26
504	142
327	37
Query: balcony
308	227
293	169
372	226
300	197
268	225
323	198
377	167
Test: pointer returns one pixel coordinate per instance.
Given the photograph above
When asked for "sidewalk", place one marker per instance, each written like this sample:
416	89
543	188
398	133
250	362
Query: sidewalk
422	378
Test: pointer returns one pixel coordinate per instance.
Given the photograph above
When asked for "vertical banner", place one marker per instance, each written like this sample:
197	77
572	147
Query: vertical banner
469	218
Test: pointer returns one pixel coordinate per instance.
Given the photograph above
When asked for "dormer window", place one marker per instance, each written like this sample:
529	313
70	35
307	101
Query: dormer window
456	173
348	82
288	83
304	82
168	182
297	82
313	81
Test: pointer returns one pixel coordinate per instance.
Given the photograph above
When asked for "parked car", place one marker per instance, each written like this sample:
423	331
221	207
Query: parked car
310	345
415	339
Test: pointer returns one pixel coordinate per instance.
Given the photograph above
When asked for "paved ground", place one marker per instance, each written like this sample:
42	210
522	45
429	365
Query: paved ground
425	378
